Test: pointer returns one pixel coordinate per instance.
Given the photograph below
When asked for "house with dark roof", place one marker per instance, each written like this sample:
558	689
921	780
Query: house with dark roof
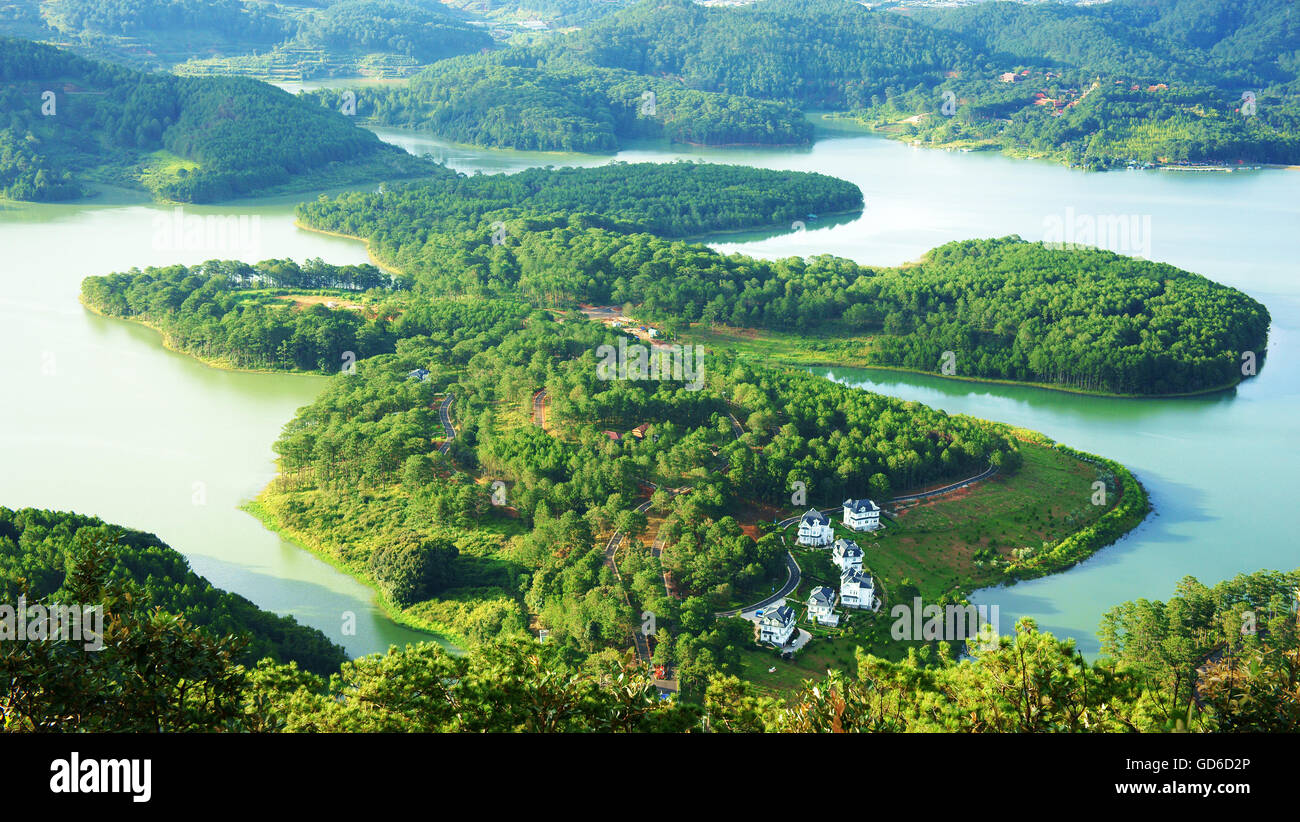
815	529
776	625
857	589
846	554
420	374
861	514
821	606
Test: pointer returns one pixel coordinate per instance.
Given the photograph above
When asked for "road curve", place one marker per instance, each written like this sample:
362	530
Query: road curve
985	474
793	576
611	548
447	429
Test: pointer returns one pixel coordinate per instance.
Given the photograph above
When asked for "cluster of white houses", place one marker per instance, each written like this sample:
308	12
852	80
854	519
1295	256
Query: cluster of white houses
857	590
776	625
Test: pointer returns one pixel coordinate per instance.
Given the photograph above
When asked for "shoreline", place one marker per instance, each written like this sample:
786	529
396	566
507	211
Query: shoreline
886	131
167	344
256	508
1039	385
823	363
1064	554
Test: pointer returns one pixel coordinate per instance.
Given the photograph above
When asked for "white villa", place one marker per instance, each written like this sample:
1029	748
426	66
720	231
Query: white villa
857	589
846	554
815	529
776	625
861	514
821	606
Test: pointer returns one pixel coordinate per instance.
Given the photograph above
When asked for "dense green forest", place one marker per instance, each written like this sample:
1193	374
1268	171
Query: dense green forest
1120	82
508	100
71	122
995	309
168	677
558	13
233	19
680	199
1094	85
294	39
1006	309
361	471
425	32
39	551
234	313
1235	622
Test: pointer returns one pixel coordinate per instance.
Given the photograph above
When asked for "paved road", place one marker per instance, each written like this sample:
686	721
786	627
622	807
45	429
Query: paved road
793	576
539	408
657	547
735	426
612	546
985	474
447	429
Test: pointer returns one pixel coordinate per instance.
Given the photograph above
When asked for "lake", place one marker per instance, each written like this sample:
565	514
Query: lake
101	419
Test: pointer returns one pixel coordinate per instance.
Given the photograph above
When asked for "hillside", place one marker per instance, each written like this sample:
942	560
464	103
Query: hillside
74	123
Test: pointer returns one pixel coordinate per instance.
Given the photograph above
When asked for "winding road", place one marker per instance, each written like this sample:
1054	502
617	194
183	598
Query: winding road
611	548
793	576
444	414
988	472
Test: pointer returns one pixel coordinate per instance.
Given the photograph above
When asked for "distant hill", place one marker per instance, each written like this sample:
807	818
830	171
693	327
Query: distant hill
72	122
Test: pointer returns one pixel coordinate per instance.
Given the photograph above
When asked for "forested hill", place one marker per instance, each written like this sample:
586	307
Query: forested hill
1007	309
1120	82
290	39
522	99
1246	42
669	199
37	549
818	53
72	122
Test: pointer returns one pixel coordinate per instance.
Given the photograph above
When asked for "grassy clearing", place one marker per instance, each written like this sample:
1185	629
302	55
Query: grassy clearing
831	344
950	545
162	167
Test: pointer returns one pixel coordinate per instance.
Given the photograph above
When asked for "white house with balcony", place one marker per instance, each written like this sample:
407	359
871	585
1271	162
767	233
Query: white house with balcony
857	589
815	529
846	554
776	625
821	606
861	514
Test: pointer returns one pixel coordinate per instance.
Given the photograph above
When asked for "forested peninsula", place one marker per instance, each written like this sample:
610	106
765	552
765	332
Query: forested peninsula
1077	318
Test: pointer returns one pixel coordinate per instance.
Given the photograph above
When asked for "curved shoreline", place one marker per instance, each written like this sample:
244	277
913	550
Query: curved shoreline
168	344
1040	385
450	639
